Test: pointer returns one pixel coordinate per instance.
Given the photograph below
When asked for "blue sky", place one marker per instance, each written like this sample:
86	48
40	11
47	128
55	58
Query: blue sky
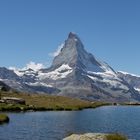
32	29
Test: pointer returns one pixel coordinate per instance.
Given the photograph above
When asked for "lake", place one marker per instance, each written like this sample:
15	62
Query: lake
55	125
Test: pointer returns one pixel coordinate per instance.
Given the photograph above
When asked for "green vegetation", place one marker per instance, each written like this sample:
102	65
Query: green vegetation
4	118
115	137
13	107
46	102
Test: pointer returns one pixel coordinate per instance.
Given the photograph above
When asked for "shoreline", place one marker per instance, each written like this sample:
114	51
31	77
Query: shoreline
37	109
37	102
27	108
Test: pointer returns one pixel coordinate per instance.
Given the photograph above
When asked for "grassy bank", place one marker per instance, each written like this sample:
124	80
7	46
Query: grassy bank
47	102
4	118
116	137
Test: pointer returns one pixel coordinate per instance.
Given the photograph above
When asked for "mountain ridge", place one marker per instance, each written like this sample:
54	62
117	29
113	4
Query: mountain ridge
132	79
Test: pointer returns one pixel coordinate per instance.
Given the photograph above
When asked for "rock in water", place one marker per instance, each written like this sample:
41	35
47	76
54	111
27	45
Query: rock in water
88	136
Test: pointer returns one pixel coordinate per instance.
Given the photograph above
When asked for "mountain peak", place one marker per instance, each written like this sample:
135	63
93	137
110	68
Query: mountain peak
70	52
72	35
74	42
74	54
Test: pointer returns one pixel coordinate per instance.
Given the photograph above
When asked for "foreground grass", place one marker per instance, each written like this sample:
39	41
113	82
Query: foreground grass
4	118
116	137
47	102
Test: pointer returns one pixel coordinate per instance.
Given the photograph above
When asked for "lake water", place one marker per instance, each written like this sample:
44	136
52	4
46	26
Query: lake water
55	125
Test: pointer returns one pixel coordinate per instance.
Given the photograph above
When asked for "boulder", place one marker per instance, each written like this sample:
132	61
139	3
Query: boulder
87	136
13	100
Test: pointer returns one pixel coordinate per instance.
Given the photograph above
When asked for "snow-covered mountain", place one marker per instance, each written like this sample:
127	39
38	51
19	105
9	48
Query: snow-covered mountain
76	73
131	79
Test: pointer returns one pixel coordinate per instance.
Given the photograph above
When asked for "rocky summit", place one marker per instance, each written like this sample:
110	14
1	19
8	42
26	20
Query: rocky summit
76	73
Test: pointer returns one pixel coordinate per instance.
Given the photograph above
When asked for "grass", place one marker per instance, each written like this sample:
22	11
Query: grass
116	137
13	107
46	102
4	118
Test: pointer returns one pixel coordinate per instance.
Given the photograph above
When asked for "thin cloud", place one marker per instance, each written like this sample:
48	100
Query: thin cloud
34	66
31	65
56	53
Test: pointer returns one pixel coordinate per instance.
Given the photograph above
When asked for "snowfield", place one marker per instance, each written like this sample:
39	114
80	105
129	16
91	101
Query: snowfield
58	73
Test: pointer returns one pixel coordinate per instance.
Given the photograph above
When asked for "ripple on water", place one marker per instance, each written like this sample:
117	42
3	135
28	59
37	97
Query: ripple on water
54	125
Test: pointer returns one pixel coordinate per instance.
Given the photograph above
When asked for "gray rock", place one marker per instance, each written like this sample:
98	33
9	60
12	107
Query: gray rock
4	87
87	136
13	100
131	79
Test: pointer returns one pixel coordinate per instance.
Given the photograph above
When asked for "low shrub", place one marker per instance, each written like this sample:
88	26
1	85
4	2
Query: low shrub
116	137
4	118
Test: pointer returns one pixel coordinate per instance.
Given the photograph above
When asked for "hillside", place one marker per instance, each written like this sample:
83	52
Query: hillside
48	102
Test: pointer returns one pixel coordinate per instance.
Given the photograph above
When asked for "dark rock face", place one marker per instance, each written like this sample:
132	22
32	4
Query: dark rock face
4	87
76	73
7	74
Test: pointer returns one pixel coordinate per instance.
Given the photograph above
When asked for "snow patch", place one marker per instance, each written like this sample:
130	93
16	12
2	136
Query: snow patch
108	78
34	66
58	73
126	73
92	77
30	69
107	75
39	84
137	89
16	71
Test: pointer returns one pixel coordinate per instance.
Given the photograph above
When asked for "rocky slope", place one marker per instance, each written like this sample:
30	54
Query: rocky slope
131	79
4	87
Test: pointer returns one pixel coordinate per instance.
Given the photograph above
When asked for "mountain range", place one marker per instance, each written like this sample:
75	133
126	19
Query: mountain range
76	73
